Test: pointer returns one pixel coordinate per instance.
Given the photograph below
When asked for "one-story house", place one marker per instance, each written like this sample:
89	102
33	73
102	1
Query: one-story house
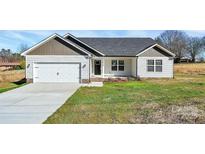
74	59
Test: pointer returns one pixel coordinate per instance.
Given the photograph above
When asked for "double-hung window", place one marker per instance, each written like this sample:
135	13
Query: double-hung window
150	65
121	65
114	65
118	65
158	65
154	65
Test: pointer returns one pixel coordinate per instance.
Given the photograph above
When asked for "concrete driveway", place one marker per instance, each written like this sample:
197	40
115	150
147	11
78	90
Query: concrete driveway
34	103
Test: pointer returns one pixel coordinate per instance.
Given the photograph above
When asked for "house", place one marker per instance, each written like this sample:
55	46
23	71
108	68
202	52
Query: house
72	59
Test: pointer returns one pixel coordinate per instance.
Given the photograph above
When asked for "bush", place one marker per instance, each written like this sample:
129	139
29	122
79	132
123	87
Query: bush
23	64
17	68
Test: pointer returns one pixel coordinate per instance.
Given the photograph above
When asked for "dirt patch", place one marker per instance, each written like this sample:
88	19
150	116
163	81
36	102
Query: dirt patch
172	114
150	106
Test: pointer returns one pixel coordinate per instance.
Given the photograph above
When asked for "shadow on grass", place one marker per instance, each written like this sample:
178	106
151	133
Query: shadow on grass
20	82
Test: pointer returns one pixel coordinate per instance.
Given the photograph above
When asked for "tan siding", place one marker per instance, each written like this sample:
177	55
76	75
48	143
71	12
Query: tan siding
53	47
152	53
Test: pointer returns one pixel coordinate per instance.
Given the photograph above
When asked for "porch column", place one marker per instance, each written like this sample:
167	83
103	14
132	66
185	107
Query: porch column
103	67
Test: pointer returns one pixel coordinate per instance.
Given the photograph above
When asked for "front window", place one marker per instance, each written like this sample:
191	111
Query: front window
118	65
121	65
154	65
114	65
150	65
158	65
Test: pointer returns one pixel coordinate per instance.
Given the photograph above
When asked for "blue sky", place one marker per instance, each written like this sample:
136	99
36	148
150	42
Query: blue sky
12	39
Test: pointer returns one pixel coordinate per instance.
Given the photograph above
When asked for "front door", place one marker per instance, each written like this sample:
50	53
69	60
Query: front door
97	65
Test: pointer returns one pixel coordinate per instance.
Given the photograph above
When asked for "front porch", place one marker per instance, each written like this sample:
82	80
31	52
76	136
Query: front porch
112	68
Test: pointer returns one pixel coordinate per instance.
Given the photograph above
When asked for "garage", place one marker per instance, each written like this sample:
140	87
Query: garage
56	72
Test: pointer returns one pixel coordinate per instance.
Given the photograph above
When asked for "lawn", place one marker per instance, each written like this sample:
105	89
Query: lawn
178	100
6	86
11	79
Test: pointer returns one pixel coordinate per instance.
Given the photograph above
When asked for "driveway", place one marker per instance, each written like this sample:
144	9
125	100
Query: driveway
34	103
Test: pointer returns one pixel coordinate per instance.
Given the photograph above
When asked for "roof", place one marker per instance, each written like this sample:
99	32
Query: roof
124	47
119	46
60	39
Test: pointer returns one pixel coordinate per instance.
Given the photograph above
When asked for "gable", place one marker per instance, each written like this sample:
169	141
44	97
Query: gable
155	52
54	47
83	45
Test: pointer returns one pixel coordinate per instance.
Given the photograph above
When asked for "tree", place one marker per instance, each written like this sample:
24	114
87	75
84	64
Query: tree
195	47
23	47
175	41
5	53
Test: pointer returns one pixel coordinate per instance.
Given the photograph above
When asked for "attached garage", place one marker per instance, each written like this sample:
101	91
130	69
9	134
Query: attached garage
56	72
56	59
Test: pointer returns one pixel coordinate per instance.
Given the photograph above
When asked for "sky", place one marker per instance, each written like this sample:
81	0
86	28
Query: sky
12	39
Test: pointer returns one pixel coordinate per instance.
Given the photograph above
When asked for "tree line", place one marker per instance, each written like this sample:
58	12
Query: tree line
182	45
6	55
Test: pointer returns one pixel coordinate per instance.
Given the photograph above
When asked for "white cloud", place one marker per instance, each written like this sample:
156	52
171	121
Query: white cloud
17	35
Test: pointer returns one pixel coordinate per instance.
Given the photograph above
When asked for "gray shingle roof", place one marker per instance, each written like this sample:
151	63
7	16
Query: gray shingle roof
119	46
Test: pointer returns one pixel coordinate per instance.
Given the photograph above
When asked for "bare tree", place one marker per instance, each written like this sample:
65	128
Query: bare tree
22	48
175	41
195	47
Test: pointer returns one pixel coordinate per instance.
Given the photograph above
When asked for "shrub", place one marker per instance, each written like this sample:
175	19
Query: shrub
23	64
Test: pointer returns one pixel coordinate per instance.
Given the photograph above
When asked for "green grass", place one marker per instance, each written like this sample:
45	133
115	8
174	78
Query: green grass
131	102
6	86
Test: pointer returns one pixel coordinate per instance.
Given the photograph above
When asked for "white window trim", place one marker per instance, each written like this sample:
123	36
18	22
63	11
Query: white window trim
118	65
150	65
114	65
154	66
158	65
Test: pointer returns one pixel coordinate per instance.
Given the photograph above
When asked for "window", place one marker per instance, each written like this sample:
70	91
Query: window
121	65
118	65
154	65
150	65
114	65
158	65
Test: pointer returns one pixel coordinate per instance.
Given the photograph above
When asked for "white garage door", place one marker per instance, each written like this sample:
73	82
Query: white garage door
56	72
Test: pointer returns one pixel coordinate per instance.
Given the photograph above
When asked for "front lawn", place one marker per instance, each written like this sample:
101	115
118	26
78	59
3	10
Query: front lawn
10	79
6	86
179	100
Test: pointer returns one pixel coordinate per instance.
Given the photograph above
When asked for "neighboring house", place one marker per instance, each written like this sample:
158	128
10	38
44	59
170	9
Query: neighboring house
72	59
185	60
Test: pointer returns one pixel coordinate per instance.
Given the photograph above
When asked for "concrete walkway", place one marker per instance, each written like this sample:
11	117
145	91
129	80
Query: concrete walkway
34	103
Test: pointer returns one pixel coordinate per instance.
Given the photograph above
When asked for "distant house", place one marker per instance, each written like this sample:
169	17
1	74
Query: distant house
185	60
82	60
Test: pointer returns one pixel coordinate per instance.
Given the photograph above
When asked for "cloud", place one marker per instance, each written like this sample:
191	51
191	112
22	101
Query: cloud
18	35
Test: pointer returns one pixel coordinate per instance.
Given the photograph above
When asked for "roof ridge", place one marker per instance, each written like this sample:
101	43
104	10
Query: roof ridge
117	37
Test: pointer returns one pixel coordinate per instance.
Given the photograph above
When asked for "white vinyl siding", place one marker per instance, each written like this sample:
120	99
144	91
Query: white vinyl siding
167	67
134	67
